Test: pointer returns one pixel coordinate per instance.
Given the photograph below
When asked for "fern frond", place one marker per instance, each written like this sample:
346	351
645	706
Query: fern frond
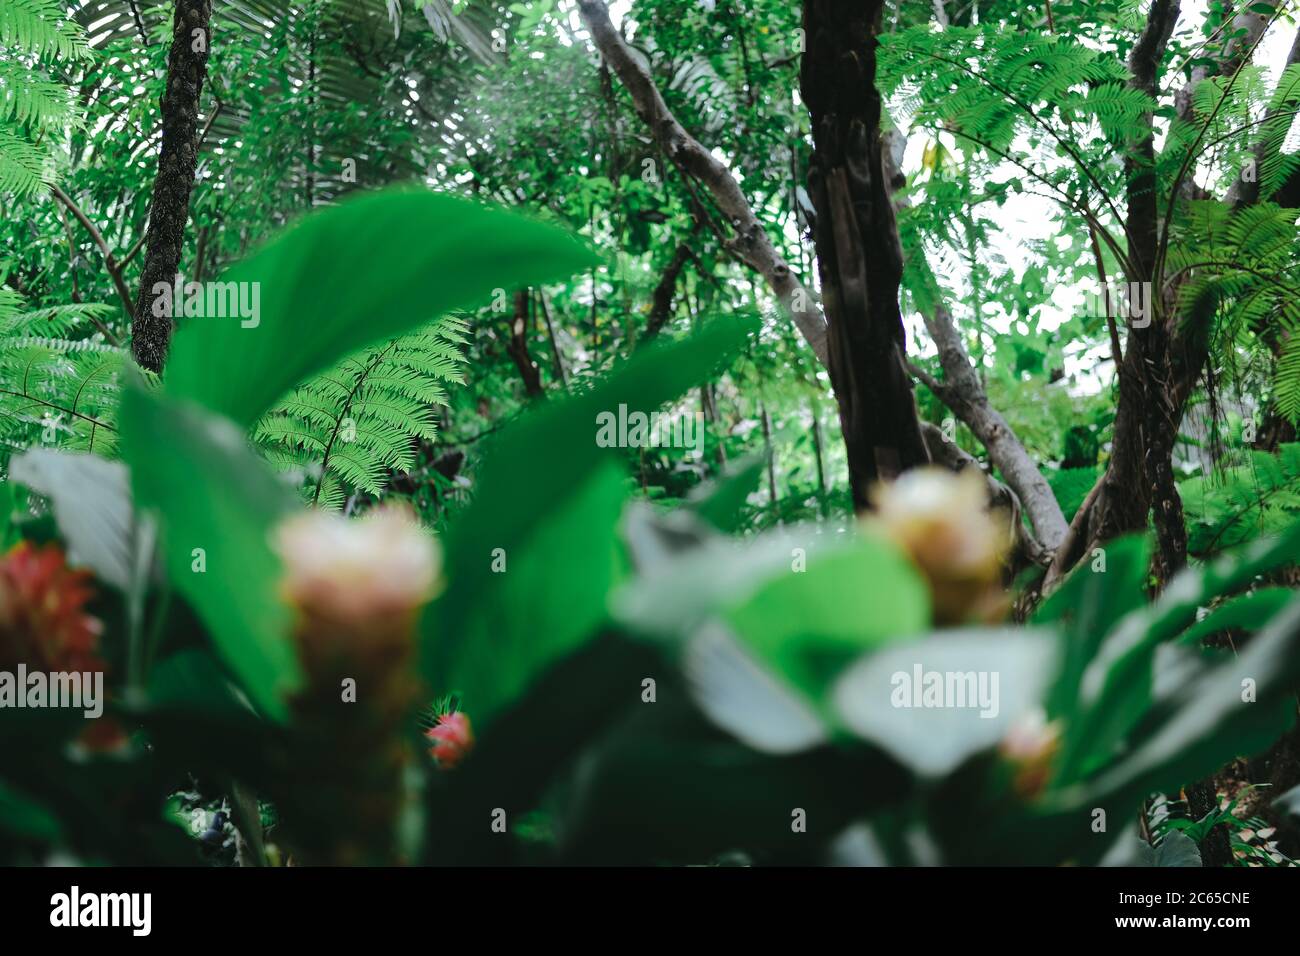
29	99
43	28
348	428
1259	497
59	381
24	167
31	106
1275	166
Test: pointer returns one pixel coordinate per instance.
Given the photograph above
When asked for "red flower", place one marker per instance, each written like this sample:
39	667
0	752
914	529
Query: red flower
43	622
453	738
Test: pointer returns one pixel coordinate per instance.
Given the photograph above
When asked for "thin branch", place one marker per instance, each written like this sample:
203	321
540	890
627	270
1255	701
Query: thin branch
110	262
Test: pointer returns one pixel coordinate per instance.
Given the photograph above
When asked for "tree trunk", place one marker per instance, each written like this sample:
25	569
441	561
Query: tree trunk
560	372
169	210
661	302
858	253
518	347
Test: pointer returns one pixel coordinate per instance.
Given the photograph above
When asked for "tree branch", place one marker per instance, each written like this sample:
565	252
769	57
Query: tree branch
661	301
110	261
964	394
749	241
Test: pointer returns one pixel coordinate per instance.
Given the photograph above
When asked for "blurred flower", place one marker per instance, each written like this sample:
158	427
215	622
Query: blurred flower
356	586
43	622
454	738
942	521
1030	746
351	570
44	625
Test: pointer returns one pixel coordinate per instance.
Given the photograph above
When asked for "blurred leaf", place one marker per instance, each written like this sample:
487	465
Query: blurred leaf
743	697
848	594
368	269
1087	605
1211	721
517	758
25	818
8	508
665	787
934	735
218	503
1176	849
92	505
528	615
721	502
1115	689
1248	611
547	493
1288	805
808	625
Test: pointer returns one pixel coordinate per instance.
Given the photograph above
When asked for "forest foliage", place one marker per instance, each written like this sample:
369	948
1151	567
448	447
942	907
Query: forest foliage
364	585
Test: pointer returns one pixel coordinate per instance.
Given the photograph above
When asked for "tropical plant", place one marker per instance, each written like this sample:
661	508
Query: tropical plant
35	110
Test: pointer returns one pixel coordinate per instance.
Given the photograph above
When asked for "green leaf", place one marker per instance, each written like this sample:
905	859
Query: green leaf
1088	604
8	510
217	502
721	502
809	624
368	269
980	681
548	599
1115	689
1249	611
1235	708
548	500
92	505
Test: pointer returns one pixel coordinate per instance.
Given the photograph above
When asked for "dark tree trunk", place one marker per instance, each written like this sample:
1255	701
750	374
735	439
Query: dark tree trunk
1157	373
518	347
859	257
187	67
661	301
560	373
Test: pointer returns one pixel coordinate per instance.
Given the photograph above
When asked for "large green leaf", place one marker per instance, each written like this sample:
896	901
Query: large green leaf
984	682
1087	605
810	623
1115	688
1235	708
548	599
804	603
368	269
1248	611
547	505
217	502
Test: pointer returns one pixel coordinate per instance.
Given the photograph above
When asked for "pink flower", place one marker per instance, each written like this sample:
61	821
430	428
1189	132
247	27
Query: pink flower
453	739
